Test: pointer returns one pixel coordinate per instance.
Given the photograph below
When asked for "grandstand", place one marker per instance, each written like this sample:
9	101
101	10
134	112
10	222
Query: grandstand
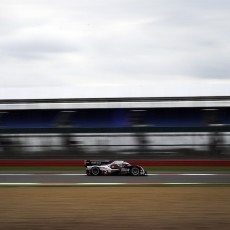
114	112
147	126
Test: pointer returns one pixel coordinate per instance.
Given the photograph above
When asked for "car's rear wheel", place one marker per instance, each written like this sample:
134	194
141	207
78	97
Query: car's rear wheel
134	171
95	171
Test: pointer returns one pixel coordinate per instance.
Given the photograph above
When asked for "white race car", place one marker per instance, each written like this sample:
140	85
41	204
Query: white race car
109	167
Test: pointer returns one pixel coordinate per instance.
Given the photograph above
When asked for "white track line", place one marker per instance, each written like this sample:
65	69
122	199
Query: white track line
103	184
71	174
200	174
16	174
185	174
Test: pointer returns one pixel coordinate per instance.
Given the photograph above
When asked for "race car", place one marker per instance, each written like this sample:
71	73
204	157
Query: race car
110	167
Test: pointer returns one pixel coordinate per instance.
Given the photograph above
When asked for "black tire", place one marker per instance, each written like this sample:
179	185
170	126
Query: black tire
134	171
95	171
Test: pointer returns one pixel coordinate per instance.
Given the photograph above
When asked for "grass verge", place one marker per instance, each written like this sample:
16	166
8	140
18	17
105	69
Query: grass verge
41	168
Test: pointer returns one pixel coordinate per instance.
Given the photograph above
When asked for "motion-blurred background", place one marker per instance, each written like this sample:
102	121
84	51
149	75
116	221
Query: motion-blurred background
114	79
116	128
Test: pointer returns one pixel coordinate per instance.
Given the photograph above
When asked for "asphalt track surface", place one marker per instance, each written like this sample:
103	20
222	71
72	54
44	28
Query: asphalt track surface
152	178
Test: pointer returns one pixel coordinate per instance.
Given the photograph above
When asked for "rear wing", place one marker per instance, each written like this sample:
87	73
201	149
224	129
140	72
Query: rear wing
96	162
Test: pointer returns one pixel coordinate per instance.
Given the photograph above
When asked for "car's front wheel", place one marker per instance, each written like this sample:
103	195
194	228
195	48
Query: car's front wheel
134	171
95	171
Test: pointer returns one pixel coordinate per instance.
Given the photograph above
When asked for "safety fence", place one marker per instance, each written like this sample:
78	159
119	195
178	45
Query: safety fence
132	142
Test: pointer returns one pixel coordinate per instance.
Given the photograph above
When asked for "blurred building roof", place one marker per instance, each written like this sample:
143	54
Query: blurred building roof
130	103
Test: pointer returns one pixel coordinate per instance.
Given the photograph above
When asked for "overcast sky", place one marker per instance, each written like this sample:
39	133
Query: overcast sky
114	48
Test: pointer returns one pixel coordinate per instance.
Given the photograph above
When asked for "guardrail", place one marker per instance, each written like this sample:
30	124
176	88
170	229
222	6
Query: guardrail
137	142
143	129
